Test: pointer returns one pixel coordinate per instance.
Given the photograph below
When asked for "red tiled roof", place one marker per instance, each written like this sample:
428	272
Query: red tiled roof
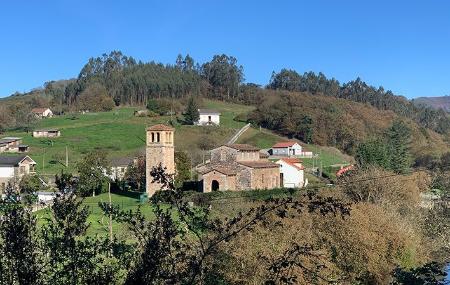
284	144
293	162
160	127
344	170
38	110
259	164
243	147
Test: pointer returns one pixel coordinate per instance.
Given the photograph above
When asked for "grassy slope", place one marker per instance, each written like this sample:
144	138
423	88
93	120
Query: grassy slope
119	133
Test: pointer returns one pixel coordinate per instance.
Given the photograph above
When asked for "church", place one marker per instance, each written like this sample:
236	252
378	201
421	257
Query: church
237	167
233	167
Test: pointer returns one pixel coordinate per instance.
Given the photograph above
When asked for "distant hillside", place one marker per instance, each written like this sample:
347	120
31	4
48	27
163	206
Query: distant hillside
442	102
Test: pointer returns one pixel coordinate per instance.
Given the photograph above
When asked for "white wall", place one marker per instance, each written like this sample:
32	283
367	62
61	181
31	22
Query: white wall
6	172
292	177
204	119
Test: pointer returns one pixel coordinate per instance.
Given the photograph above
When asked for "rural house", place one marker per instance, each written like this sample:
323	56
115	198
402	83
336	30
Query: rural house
289	149
42	112
238	167
13	168
47	133
291	173
12	144
119	167
208	117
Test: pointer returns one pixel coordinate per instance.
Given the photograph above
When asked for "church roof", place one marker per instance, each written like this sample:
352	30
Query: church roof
259	164
243	147
160	127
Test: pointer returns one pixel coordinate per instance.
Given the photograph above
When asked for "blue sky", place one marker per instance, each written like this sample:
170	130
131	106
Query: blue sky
402	45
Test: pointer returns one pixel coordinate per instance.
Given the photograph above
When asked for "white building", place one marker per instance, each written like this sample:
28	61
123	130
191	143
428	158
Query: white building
208	117
290	149
46	133
42	112
13	168
291	173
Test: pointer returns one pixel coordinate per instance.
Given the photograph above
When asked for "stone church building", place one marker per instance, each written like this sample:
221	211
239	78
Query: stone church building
238	167
159	150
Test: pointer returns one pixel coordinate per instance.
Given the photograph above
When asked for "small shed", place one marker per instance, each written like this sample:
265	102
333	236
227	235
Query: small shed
208	117
47	133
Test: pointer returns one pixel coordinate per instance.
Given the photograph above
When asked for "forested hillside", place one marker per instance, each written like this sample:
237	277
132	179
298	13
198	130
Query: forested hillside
437	103
310	107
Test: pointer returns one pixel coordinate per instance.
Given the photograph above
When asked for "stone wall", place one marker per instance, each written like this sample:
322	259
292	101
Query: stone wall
265	178
223	154
225	182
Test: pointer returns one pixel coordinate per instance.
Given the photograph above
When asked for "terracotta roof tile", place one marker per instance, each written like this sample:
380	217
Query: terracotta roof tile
259	164
160	127
243	147
293	162
284	144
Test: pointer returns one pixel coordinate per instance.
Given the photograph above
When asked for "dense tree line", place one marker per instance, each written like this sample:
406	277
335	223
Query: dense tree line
135	83
359	91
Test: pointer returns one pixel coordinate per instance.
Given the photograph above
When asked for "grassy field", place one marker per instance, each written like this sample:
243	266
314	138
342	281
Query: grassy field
98	221
121	134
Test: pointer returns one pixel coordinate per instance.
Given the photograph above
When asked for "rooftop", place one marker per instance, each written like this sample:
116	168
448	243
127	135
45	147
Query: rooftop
47	130
160	127
284	144
12	160
39	110
294	162
243	147
259	164
208	111
121	161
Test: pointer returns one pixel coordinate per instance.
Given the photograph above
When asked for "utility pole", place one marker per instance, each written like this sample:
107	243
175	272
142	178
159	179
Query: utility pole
110	214
43	163
67	157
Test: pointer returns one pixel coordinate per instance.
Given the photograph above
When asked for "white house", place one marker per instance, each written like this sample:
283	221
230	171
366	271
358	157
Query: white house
42	112
208	117
119	167
13	168
290	149
46	133
291	173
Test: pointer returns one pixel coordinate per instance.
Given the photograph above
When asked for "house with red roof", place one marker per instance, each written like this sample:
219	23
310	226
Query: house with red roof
42	112
289	149
292	174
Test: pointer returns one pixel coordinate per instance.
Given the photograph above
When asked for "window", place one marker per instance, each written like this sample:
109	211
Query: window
158	137
22	169
262	178
209	118
153	137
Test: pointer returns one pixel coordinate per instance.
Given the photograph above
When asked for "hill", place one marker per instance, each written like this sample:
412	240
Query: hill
328	121
442	102
121	134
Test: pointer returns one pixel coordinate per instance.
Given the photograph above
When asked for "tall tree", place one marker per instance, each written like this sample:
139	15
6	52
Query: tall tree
191	114
399	139
92	170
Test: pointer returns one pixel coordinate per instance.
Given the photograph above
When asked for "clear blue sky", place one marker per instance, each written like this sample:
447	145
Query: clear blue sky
402	45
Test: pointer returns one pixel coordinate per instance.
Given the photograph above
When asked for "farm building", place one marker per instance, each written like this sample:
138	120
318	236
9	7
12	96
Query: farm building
289	149
47	133
13	168
208	117
291	172
238	167
42	112
119	167
12	144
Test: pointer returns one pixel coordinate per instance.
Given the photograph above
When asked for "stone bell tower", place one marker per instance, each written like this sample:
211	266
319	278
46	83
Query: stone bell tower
159	149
